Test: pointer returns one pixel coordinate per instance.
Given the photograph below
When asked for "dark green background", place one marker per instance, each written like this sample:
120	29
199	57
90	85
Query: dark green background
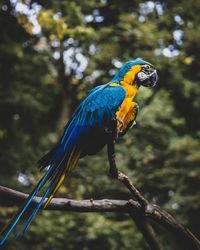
42	79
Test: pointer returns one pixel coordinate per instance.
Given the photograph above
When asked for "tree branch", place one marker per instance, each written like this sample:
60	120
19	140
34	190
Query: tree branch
141	221
147	230
10	197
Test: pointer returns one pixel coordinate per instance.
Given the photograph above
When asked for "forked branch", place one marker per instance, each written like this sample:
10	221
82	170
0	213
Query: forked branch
147	210
10	197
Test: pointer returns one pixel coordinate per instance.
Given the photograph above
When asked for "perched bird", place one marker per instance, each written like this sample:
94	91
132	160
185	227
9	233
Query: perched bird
87	132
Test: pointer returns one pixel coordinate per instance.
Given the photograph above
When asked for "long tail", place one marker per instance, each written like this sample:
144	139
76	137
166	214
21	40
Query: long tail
60	161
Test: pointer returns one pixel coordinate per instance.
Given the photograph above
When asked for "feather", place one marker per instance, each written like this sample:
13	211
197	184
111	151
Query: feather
96	111
12	223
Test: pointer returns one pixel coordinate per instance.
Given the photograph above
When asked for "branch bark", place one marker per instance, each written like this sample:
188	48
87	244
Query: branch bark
147	231
10	197
141	221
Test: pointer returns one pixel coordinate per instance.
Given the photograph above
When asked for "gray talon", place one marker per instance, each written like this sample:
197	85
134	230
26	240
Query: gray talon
133	124
120	120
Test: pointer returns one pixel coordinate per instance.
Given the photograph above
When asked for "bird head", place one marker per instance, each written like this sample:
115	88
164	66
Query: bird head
137	72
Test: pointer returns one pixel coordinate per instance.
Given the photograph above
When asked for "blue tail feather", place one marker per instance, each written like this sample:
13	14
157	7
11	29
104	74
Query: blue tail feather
52	174
57	161
28	202
57	174
31	217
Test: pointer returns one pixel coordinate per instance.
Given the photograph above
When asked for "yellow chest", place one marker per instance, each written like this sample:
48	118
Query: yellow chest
131	90
127	110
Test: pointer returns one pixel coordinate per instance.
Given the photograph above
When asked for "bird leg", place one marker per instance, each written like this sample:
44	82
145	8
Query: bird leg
116	174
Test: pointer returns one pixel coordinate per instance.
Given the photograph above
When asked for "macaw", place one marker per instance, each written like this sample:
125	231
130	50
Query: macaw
87	132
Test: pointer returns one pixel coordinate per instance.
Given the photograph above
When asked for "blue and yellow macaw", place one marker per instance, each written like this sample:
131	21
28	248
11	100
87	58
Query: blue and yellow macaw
87	131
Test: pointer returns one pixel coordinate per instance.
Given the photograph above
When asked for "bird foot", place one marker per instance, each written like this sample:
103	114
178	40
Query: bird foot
120	121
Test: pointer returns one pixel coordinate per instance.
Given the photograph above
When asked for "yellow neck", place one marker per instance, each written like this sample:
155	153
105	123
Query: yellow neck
128	81
131	90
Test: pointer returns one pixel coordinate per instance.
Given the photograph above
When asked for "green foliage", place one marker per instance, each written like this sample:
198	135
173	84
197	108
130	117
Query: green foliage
44	74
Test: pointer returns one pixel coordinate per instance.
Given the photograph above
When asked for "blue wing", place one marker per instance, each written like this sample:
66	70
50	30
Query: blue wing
96	111
99	107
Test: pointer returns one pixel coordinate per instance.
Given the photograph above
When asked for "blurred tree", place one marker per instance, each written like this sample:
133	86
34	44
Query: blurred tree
51	53
24	109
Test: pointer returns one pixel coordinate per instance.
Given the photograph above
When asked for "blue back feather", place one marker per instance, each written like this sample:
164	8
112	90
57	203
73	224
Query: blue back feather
97	110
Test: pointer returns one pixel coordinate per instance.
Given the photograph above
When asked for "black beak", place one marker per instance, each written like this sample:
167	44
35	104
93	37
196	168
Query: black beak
147	77
152	79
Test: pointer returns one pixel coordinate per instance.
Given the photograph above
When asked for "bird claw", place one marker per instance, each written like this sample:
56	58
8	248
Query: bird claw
119	120
133	124
136	113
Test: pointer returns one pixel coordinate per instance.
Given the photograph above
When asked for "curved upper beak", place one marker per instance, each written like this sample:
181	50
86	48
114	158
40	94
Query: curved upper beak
151	80
154	78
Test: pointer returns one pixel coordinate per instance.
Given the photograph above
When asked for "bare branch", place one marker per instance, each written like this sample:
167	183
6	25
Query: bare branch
116	174
10	197
141	221
147	231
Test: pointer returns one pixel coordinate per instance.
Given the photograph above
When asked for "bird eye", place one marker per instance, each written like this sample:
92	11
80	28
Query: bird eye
147	67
